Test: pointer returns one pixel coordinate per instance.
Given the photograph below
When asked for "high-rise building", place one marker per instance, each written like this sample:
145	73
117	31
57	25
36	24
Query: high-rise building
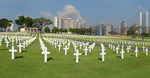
68	23
123	28
83	25
76	24
107	29
57	22
144	22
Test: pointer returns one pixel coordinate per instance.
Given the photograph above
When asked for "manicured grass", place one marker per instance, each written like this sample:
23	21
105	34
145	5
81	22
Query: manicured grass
31	65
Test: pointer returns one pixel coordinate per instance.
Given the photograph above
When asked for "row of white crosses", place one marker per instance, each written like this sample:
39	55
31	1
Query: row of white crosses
66	45
12	50
128	48
44	49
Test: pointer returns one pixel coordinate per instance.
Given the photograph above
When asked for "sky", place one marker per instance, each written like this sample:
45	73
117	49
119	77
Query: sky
90	11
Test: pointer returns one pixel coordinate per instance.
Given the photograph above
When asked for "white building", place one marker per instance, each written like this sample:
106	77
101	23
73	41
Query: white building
68	23
123	28
76	24
144	22
57	22
107	29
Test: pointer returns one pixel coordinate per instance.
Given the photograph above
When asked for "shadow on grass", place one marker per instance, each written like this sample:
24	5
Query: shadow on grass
24	51
118	56
17	57
143	54
75	59
132	55
50	59
99	59
4	49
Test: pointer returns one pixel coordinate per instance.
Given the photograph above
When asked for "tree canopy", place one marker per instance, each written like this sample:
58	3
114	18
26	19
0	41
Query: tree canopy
4	23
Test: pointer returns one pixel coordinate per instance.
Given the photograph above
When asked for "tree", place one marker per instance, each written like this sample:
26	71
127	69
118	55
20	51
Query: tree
131	31
61	30
20	21
82	31
5	22
47	30
29	21
89	30
55	30
41	22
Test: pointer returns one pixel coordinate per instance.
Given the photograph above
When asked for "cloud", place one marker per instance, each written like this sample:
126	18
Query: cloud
47	14
140	7
71	12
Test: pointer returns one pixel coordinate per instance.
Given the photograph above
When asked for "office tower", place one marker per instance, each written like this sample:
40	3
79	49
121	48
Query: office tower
144	22
57	22
123	28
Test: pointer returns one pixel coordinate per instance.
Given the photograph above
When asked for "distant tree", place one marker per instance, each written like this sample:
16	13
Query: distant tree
131	31
47	30
55	30
61	30
82	31
29	21
89	30
41	22
65	30
5	22
20	21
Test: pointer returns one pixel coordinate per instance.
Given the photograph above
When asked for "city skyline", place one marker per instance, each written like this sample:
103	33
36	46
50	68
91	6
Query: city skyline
93	12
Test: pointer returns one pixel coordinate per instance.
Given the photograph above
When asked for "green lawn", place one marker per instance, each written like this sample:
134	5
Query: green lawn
31	64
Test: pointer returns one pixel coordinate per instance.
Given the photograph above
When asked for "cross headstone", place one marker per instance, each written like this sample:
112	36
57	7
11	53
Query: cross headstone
103	53
45	54
12	50
143	48
122	53
0	42
146	51
136	51
66	48
77	55
117	48
75	47
7	43
59	47
85	51
20	47
128	49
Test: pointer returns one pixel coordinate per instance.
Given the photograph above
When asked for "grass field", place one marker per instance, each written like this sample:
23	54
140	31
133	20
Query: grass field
29	64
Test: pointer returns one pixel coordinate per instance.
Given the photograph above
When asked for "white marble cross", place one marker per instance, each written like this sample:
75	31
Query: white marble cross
117	48
103	53
59	47
128	49
13	51
122	53
143	48
7	43
77	55
80	46
20	47
146	51
136	51
0	42
75	47
45	54
24	44
113	47
13	42
90	48
66	48
55	44
85	51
